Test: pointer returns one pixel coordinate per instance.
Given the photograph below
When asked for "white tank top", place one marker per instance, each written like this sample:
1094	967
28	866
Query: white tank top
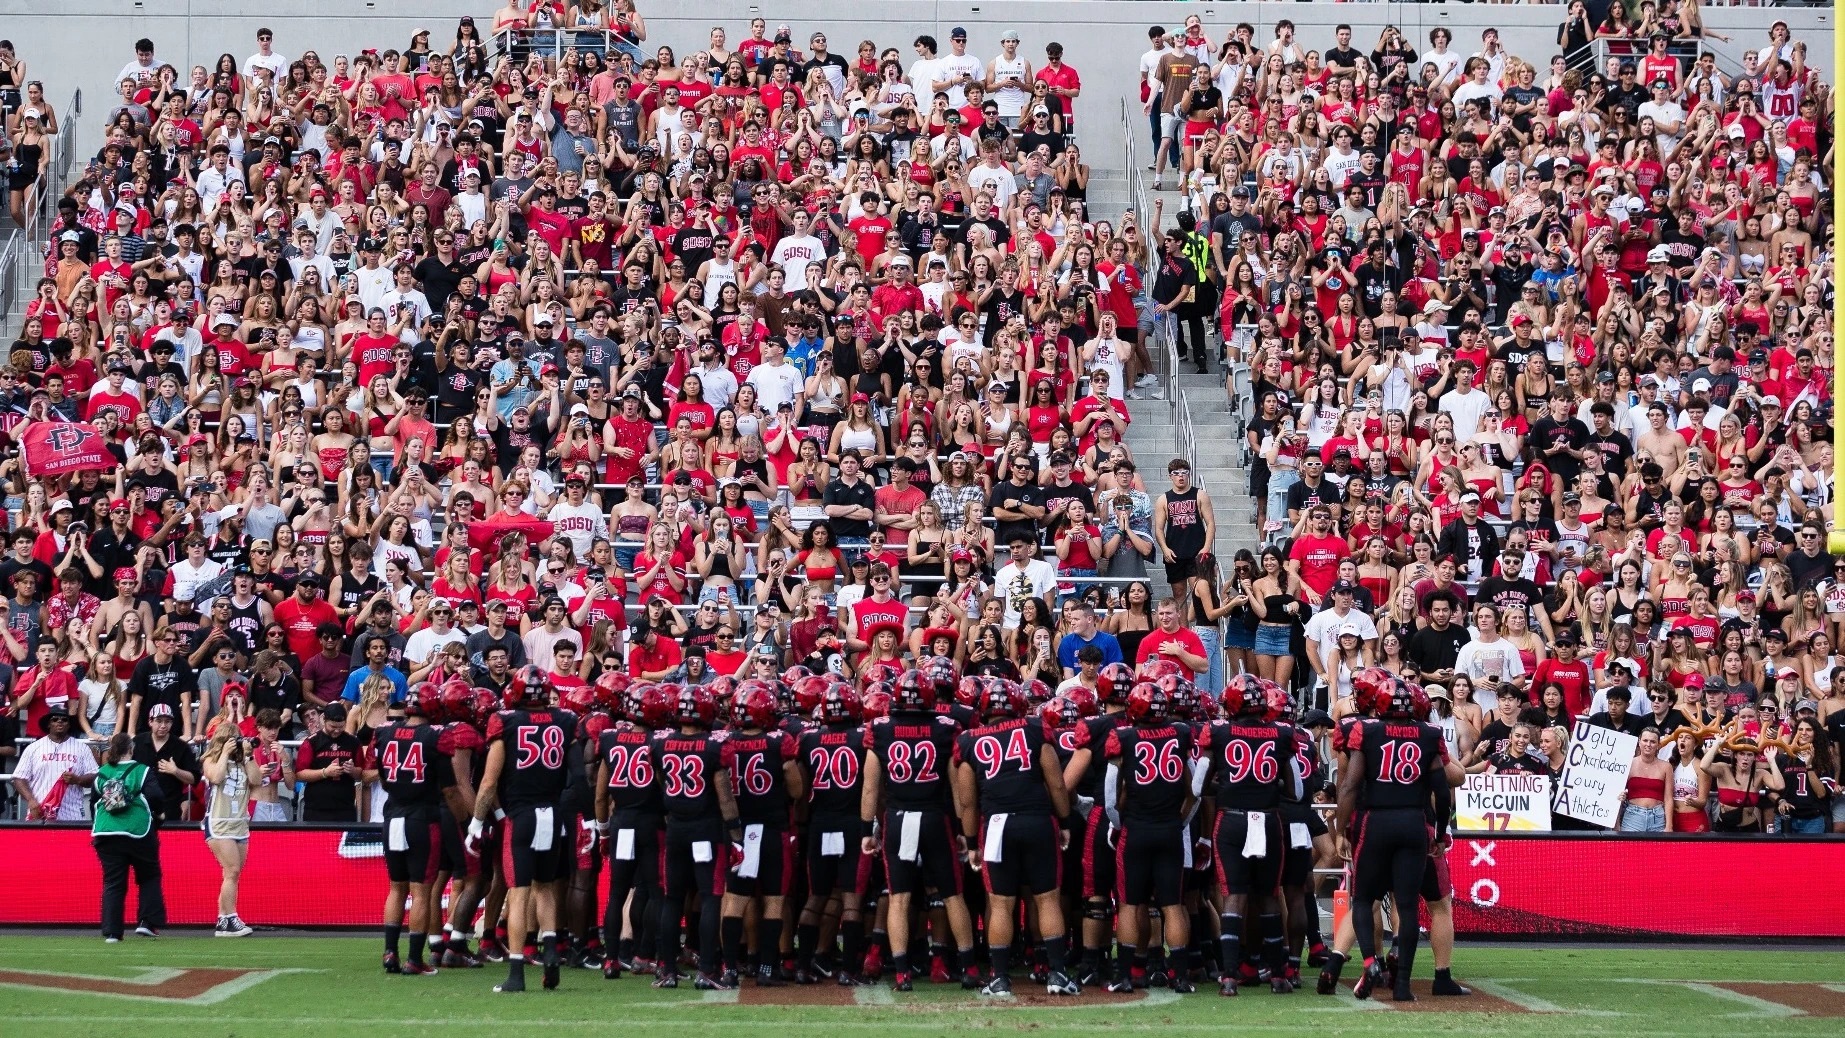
719	276
1011	99
1685	781
1450	733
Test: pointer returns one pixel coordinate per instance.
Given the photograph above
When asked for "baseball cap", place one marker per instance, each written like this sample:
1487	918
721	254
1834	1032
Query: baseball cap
957	33
1700	385
1345	587
160	710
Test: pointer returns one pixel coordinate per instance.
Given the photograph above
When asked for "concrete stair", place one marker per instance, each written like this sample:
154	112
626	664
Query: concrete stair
1219	467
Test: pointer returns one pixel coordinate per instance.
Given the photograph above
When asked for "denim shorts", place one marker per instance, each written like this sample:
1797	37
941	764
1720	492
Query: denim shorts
1236	636
1643	819
1274	639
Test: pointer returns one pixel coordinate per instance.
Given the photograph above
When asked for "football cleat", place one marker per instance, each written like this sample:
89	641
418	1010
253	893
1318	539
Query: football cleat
1060	984
391	963
707	982
1316	955
768	976
552	975
970	979
1226	986
1403	994
419	969
1369	981
900	981
1280	986
1120	985
492	951
844	979
998	987
874	964
1181	984
666	978
938	970
611	968
146	931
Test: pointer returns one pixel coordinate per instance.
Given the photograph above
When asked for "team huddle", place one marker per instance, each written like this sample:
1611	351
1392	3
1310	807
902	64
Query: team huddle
805	830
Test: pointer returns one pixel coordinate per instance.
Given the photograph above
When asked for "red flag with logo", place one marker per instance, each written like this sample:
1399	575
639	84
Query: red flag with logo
56	448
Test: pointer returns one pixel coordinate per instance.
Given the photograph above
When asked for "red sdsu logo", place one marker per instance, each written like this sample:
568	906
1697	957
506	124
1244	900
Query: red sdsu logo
66	440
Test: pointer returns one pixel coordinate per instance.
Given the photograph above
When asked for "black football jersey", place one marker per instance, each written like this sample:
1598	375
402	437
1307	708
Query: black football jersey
834	759
1398	762
1092	734
538	744
914	751
685	766
1251	762
755	766
1155	767
627	751
1007	774
412	769
1308	765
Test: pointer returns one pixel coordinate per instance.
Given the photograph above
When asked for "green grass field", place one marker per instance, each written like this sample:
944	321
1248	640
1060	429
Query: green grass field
197	987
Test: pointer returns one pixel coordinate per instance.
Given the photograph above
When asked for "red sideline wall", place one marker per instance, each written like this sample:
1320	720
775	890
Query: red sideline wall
1505	885
1541	885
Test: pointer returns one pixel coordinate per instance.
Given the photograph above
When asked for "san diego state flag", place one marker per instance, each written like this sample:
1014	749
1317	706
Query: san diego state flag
55	448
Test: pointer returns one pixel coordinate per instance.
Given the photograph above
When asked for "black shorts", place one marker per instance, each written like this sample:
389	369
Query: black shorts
1240	875
1383	840
775	865
1437	882
935	865
534	849
635	859
845	872
1150	860
686	842
455	859
412	848
1181	566
1297	862
1098	858
1028	859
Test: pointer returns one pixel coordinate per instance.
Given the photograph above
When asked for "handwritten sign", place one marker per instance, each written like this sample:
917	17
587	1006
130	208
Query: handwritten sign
1595	774
1503	803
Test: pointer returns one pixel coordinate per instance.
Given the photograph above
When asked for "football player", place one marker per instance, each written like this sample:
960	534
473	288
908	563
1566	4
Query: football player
417	779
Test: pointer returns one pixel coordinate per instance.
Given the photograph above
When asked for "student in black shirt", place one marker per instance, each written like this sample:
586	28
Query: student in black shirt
1017	504
175	767
1616	716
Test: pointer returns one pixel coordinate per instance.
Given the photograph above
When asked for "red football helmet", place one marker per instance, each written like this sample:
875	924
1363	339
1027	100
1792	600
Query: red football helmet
1371	689
692	704
882	672
1001	699
1113	682
910	694
1243	694
967	690
723	689
875	703
612	690
594	725
1158	667
1083	699
578	701
529	688
938	672
457	700
1059	713
421	700
1037	692
486	704
839	704
649	707
756	707
1147	702
808	692
1181	694
1204	708
1276	702
1402	702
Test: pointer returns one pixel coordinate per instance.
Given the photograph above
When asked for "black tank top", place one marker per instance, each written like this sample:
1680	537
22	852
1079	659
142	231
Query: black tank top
353	592
1184	527
246	624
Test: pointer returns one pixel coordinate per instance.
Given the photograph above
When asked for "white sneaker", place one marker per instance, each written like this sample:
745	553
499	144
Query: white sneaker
1148	379
112	940
146	931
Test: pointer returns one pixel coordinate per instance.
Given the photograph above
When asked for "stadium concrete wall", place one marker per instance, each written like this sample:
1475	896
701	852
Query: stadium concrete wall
83	43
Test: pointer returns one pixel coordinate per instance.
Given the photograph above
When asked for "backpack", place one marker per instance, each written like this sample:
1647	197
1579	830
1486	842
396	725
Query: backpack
114	794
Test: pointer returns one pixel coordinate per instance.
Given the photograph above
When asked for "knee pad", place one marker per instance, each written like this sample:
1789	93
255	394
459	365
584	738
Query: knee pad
1097	910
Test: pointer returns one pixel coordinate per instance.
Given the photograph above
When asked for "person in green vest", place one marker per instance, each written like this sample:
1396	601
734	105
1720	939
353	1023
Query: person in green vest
1199	312
125	837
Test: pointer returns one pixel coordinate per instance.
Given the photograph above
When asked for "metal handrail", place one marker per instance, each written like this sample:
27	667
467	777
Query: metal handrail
12	257
523	43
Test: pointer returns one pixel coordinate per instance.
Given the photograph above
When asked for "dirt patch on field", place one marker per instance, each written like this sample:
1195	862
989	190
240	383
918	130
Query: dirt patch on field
827	994
1426	1002
1811	999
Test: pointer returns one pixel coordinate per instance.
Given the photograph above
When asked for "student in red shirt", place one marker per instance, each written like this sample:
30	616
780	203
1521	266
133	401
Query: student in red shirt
1172	641
1314	556
1570	673
652	657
